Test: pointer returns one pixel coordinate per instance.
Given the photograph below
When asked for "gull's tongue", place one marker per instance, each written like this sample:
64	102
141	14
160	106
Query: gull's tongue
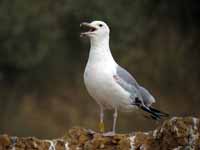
91	30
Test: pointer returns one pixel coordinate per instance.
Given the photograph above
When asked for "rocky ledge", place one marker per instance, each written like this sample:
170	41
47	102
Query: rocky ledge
174	134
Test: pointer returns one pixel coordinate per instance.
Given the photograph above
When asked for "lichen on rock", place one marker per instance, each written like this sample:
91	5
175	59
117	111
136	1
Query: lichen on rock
176	133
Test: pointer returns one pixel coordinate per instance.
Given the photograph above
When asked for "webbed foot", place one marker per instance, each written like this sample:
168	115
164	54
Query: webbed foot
109	134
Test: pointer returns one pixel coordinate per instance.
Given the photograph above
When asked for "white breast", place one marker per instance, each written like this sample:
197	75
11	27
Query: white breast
99	81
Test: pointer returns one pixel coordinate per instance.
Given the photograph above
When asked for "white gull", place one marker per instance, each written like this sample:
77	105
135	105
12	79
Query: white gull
108	83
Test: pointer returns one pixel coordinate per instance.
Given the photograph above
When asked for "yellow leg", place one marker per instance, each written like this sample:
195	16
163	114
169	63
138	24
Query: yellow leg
101	127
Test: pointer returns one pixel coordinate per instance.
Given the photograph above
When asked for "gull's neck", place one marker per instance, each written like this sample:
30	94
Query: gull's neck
100	50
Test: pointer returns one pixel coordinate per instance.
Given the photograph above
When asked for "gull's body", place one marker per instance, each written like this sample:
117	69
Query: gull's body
99	81
111	86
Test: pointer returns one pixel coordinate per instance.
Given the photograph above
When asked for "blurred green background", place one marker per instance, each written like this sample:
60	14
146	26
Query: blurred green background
42	60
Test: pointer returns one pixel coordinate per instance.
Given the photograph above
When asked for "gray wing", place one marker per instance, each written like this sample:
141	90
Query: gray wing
137	92
127	82
126	76
148	99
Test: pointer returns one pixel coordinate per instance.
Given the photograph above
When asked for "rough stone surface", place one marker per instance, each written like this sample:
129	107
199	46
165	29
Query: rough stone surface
174	134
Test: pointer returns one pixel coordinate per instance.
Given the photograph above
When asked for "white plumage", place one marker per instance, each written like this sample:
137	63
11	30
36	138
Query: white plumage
111	86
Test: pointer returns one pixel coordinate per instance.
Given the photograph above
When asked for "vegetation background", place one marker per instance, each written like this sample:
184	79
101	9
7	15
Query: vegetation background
42	60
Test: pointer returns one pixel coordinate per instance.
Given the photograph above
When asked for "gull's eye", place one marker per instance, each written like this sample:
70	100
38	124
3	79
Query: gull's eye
100	25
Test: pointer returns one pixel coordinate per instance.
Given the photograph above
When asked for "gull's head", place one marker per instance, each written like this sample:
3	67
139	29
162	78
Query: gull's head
95	30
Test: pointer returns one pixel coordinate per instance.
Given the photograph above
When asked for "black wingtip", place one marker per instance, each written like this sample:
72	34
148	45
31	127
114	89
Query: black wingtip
154	113
162	114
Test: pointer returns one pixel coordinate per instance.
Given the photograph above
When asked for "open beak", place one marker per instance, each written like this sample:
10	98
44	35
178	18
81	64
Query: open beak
88	29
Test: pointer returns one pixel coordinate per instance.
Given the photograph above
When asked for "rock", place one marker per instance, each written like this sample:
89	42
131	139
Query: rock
174	134
5	141
180	133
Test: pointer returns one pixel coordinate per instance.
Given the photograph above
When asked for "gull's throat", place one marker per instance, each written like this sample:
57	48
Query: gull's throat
100	50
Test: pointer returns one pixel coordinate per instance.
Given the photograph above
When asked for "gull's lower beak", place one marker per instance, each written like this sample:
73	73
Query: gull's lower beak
88	29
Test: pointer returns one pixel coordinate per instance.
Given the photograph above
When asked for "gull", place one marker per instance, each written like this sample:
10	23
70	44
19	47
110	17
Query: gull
110	85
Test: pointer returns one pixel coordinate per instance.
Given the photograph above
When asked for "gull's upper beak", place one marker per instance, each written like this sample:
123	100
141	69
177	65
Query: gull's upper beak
85	24
88	28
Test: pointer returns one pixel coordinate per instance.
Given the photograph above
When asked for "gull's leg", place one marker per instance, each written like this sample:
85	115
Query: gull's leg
101	124
112	133
114	120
